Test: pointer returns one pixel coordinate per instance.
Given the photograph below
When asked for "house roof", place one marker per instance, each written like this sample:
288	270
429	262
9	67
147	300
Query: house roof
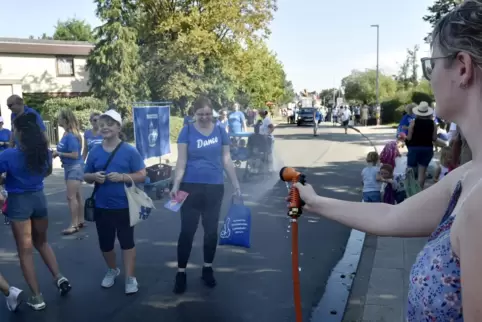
44	47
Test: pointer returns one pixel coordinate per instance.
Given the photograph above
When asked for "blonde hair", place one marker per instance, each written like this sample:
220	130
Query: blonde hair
372	157
461	30
409	108
71	123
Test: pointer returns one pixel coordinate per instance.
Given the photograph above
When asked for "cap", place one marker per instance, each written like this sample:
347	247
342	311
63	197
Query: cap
113	115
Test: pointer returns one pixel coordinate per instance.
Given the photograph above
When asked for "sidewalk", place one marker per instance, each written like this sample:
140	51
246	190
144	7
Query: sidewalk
380	293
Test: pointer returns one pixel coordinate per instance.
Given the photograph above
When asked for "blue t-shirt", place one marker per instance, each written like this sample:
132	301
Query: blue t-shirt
28	110
405	121
370	183
92	139
4	138
19	178
235	121
204	155
111	195
68	144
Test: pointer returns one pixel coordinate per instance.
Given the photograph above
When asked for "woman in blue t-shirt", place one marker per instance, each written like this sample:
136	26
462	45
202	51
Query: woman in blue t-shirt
203	155
236	120
26	166
5	135
92	137
111	205
69	151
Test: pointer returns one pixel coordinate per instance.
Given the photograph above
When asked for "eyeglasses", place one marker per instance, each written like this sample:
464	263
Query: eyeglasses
428	64
204	114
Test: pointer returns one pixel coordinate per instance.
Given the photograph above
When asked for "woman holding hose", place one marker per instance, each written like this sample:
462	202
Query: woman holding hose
449	211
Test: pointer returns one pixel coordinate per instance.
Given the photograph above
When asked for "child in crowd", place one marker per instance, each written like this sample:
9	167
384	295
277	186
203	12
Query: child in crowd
391	155
445	165
371	179
389	185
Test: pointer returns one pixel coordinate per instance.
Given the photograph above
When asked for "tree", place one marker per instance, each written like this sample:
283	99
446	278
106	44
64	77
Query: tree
73	30
115	71
413	59
327	95
361	86
439	9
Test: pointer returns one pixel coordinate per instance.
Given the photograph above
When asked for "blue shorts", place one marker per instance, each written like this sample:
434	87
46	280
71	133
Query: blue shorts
419	156
372	196
26	205
73	172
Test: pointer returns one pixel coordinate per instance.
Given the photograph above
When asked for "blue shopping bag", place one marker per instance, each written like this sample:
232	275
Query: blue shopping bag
237	225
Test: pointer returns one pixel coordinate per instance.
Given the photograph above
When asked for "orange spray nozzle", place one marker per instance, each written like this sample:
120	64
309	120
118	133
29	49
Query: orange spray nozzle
289	174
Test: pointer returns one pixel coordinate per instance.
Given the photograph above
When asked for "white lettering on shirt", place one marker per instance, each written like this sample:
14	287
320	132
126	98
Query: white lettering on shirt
205	143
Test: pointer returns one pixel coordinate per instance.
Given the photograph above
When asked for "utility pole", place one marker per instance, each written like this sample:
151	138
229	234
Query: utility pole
378	69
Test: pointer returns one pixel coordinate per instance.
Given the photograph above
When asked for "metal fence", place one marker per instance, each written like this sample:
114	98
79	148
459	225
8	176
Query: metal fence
51	132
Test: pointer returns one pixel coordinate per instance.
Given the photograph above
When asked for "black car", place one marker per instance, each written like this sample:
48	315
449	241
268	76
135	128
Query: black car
305	116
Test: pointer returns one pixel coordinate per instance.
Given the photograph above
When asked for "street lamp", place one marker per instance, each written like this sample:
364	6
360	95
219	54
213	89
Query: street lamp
378	67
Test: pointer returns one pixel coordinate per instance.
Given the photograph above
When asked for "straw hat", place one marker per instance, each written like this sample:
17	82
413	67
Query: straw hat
422	109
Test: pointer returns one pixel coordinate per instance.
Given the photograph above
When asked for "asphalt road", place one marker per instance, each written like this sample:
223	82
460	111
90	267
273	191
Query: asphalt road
253	285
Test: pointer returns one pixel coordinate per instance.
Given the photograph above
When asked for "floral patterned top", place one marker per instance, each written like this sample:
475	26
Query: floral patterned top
435	292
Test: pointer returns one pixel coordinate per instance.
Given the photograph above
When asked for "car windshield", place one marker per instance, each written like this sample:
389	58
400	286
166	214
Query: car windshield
307	110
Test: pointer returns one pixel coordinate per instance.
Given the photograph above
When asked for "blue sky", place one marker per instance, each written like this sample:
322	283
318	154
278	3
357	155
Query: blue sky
318	41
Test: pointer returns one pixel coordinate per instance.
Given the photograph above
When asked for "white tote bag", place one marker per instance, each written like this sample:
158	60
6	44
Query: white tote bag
140	205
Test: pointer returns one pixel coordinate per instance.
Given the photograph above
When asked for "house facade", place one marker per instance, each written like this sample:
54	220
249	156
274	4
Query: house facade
44	67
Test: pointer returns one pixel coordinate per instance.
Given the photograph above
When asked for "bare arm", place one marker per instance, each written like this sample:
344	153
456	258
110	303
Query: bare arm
84	150
137	177
469	241
89	178
410	130
229	167
180	164
418	216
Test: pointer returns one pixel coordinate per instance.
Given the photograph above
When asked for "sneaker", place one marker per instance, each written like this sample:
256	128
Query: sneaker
208	277
63	285
109	278
131	285
180	284
14	298
36	302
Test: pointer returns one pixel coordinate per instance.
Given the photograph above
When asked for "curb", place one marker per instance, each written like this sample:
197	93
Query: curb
331	307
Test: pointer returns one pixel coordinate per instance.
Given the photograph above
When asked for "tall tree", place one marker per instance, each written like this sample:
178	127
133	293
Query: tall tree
114	66
73	30
439	9
361	86
413	59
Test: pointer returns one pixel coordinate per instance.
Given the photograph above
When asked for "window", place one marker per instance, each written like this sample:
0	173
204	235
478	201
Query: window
65	66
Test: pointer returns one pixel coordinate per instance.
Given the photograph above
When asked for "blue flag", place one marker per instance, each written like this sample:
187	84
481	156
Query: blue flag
151	129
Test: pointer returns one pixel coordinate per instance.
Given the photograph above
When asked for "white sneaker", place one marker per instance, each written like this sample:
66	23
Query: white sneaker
131	285
13	299
109	278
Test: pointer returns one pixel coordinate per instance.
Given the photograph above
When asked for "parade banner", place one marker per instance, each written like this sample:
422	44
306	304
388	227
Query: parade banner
151	130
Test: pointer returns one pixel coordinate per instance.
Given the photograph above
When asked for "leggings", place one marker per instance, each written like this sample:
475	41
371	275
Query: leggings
112	222
204	201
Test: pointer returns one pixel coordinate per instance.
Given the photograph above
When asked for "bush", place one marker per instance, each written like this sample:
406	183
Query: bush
176	124
52	106
392	111
418	97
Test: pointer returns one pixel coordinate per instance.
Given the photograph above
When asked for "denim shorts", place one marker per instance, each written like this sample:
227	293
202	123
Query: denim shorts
372	196
26	205
73	172
419	156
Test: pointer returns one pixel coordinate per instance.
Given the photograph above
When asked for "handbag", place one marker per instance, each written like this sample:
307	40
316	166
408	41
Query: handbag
89	204
237	226
140	205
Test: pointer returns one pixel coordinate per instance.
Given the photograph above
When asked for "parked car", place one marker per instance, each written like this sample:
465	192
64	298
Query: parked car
305	116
